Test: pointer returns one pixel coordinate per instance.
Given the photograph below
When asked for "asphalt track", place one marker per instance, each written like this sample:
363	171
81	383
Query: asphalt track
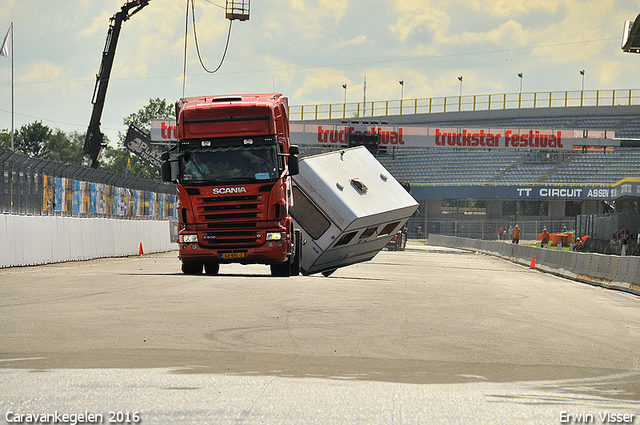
429	335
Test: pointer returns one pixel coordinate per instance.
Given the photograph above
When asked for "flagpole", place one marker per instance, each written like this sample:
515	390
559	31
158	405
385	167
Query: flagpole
12	101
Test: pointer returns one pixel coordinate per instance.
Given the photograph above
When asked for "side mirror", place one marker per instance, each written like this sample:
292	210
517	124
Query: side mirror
165	170
294	165
169	167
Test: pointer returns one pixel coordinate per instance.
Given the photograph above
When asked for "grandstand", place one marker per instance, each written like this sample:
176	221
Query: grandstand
602	171
504	167
600	162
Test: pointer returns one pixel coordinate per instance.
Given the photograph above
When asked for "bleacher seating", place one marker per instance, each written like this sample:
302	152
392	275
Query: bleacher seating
454	166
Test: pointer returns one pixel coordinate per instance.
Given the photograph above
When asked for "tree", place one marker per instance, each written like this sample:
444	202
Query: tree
39	140
32	139
157	108
5	139
117	160
66	149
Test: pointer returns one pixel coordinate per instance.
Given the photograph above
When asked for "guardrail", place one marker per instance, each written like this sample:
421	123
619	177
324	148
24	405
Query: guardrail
52	212
608	271
483	102
33	186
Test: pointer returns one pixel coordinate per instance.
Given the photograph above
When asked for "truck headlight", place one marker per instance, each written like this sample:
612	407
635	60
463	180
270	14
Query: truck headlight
189	238
274	236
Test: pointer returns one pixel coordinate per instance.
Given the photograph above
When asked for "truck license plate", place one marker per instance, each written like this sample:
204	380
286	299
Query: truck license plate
230	255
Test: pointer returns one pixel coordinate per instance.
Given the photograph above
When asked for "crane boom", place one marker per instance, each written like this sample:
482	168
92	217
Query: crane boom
93	143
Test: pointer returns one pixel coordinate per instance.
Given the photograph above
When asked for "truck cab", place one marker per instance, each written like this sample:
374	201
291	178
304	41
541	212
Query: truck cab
233	164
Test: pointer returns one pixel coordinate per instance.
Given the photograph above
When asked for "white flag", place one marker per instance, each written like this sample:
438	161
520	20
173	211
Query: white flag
4	50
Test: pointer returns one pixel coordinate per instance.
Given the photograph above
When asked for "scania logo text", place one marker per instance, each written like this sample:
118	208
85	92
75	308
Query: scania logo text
228	190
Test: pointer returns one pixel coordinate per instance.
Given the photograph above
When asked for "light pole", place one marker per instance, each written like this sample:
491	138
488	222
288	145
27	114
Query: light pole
401	94
521	76
364	98
460	79
344	86
582	74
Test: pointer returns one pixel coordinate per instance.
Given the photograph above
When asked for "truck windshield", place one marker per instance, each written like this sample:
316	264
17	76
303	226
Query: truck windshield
230	164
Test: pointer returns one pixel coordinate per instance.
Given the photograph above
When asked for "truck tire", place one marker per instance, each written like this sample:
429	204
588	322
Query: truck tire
211	268
191	268
297	254
280	269
291	267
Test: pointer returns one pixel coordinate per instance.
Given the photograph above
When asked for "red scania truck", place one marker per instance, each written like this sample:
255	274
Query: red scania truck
233	163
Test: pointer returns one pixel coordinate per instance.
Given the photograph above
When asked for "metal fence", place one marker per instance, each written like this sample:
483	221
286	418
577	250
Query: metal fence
484	102
34	186
421	228
602	229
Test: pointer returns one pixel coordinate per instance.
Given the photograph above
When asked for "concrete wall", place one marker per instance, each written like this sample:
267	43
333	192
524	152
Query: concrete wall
608	271
32	240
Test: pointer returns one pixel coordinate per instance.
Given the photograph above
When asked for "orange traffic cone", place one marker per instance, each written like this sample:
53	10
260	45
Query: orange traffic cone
533	262
140	251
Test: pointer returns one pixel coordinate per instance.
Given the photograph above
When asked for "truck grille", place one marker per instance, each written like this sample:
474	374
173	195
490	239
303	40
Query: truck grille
230	221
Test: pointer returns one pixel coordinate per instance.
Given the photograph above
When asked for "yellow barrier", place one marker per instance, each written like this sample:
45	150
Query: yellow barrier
484	102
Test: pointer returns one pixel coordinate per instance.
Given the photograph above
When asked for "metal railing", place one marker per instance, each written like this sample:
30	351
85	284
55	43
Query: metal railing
34	186
484	102
488	229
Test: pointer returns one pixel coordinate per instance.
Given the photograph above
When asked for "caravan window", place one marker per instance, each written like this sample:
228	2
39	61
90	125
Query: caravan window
308	216
388	229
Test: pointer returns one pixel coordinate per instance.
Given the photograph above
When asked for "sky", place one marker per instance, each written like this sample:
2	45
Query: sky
307	50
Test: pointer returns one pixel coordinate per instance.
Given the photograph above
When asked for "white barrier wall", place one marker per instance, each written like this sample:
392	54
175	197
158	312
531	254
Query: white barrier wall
608	271
32	240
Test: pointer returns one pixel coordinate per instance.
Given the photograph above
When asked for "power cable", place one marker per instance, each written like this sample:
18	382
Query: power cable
195	37
216	5
345	64
186	33
191	3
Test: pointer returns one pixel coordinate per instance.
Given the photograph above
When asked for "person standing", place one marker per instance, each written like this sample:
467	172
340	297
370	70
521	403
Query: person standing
516	235
624	243
545	239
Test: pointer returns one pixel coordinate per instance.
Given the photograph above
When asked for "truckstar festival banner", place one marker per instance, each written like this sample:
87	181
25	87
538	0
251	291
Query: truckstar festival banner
163	130
442	137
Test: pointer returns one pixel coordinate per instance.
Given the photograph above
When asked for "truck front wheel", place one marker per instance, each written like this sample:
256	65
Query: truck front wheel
211	268
291	267
297	256
280	269
191	268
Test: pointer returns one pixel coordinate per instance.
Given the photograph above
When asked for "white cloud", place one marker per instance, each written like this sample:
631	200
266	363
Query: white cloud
336	7
418	17
510	8
354	41
44	72
100	24
509	34
325	82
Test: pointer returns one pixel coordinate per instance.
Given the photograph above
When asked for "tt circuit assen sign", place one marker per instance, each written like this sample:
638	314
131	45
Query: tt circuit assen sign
529	192
439	137
567	193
